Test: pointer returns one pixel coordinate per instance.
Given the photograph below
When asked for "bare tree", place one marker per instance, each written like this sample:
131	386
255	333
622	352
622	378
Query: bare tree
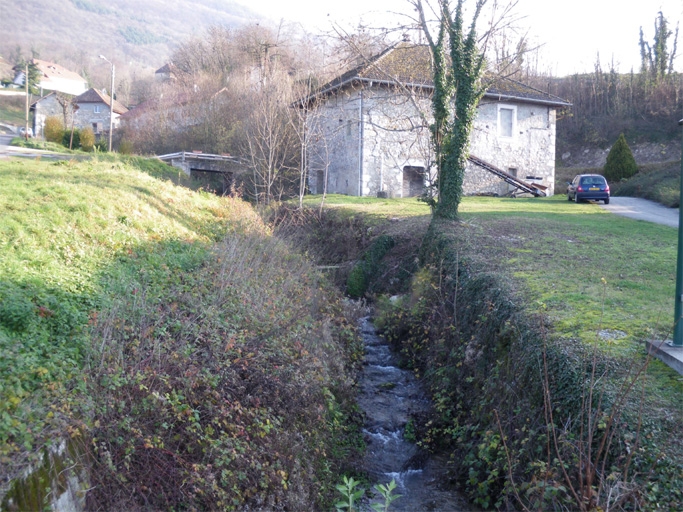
270	139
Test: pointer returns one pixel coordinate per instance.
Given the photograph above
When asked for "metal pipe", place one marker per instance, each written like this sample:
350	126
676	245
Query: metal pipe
360	145
678	302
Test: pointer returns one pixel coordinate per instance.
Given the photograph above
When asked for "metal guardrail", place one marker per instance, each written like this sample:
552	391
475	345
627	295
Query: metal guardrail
191	155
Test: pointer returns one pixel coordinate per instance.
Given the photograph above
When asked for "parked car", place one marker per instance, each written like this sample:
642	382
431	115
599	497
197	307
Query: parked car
23	132
585	187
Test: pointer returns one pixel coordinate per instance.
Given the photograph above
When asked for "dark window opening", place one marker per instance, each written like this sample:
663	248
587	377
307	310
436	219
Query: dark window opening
413	181
319	182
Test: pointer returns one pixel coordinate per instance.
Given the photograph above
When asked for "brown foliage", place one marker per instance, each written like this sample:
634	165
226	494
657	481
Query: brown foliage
54	130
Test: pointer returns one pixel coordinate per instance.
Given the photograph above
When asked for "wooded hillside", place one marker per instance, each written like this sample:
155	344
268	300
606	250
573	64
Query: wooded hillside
142	34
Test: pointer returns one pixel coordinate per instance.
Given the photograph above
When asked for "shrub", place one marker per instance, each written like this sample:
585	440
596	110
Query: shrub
87	139
367	268
125	148
54	129
67	142
620	162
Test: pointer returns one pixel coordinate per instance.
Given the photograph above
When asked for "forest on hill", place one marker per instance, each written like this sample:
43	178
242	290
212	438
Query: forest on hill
136	35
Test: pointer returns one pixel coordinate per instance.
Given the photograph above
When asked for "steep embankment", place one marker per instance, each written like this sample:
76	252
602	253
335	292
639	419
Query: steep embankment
528	415
189	359
525	321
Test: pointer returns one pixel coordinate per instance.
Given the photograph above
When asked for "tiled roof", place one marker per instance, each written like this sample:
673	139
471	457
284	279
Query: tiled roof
52	70
410	64
35	102
95	96
167	69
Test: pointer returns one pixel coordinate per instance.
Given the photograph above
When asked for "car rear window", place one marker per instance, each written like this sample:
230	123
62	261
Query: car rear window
593	180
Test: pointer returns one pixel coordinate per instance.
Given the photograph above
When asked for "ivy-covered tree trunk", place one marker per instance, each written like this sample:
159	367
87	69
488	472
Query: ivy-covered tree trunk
443	92
457	91
467	66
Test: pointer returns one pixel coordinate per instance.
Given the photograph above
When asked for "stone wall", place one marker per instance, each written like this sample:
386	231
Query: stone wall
394	136
48	106
529	153
333	145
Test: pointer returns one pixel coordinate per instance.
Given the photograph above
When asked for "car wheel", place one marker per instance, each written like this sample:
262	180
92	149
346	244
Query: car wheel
576	198
607	200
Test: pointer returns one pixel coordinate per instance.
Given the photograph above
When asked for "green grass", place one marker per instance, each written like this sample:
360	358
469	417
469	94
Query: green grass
12	110
43	145
61	226
374	208
657	182
562	251
143	319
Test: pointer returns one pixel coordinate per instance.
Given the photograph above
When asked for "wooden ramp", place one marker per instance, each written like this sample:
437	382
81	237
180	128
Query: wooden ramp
531	188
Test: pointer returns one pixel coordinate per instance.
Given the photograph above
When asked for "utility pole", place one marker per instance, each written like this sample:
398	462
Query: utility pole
111	101
26	87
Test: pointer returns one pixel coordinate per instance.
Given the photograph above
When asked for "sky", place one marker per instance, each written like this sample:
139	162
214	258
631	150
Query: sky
570	33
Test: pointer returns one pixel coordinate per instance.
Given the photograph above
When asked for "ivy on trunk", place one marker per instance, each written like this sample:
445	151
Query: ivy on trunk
457	90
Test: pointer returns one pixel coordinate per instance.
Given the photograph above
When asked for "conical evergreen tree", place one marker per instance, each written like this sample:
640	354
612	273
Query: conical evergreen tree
620	162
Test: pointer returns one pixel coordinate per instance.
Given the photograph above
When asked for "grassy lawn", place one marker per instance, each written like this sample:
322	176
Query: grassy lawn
596	276
13	110
380	209
562	251
161	327
590	270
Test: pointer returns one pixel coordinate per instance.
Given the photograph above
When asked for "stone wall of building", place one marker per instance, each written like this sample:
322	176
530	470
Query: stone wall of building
396	138
393	142
333	143
95	116
528	154
48	106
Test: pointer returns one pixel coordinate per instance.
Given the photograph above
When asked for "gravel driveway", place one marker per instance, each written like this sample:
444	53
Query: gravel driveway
642	209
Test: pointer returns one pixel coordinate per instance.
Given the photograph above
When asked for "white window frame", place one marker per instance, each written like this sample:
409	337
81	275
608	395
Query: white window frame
513	130
97	109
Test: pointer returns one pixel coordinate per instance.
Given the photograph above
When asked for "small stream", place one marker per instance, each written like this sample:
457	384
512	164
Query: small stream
388	396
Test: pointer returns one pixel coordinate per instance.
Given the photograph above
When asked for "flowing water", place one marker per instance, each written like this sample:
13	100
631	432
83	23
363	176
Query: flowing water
388	396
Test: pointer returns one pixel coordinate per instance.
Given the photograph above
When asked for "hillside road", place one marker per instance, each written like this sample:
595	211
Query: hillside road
642	209
7	151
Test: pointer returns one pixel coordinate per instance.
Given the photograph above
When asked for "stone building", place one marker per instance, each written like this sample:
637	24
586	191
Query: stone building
88	110
93	111
53	105
367	131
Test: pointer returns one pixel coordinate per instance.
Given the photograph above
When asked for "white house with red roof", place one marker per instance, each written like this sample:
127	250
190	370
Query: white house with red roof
54	78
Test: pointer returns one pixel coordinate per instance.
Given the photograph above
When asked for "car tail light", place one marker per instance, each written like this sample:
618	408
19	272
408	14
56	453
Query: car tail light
579	188
607	188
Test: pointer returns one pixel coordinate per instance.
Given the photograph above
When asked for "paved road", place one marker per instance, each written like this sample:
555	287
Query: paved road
6	151
642	209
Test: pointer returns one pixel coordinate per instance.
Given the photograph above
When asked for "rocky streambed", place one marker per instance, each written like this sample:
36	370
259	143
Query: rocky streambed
389	396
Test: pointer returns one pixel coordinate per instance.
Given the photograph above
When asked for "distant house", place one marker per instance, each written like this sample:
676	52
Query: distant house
53	105
54	78
166	73
368	131
87	110
93	111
